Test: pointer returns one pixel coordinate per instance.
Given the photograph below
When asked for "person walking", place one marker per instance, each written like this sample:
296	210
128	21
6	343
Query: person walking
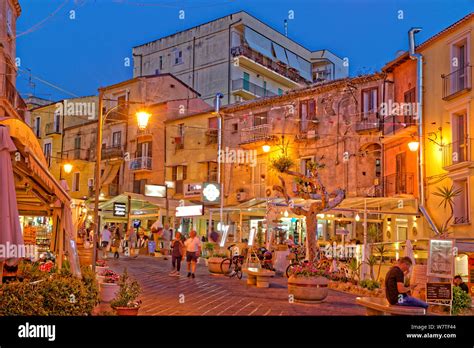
105	237
177	246
193	251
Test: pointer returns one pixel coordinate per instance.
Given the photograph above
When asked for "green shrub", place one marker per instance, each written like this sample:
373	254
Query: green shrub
282	164
90	282
21	298
128	292
369	284
461	300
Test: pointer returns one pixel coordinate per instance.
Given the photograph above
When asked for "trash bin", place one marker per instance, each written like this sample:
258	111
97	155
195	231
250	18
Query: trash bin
151	247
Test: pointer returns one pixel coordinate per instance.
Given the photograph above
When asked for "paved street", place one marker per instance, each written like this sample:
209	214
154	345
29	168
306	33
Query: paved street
217	295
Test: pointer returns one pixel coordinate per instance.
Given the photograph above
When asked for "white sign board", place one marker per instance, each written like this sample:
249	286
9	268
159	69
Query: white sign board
441	258
189	210
155	191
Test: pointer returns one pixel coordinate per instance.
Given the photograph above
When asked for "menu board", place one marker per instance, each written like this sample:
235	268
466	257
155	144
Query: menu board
441	258
438	291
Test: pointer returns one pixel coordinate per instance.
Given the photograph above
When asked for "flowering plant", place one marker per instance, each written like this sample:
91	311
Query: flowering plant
308	269
110	276
47	266
101	263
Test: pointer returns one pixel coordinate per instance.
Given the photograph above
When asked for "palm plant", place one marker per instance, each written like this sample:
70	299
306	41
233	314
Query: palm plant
354	267
447	194
371	262
382	250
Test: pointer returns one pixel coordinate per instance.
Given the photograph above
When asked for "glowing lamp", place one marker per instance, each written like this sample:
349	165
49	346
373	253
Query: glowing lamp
266	148
67	168
142	119
413	145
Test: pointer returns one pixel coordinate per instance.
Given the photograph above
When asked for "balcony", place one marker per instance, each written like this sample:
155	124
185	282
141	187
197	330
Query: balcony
368	124
76	154
141	163
457	154
248	90
111	152
399	183
113	189
256	133
456	82
393	124
52	128
257	62
13	97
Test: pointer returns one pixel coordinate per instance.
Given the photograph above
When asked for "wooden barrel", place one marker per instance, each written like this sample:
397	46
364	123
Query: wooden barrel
85	256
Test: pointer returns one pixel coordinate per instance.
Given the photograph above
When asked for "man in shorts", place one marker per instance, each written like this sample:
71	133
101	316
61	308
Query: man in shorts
193	251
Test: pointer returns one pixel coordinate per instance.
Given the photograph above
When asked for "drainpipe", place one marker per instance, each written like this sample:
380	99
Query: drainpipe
421	164
229	62
219	96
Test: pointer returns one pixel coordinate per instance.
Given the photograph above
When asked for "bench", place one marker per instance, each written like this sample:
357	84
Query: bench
380	306
258	277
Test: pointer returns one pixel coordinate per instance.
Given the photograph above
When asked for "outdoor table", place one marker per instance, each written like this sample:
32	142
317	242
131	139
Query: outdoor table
281	261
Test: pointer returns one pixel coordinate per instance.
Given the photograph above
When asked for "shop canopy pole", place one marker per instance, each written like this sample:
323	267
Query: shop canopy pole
209	226
240	226
364	250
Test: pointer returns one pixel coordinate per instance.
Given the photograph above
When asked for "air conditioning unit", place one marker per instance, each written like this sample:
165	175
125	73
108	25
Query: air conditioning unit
241	196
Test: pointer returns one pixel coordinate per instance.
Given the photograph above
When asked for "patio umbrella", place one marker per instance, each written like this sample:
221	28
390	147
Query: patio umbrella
10	231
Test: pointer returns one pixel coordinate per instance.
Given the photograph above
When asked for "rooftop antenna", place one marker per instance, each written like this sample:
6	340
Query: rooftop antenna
286	27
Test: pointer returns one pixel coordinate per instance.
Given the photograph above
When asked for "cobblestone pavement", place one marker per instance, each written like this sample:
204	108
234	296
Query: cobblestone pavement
213	295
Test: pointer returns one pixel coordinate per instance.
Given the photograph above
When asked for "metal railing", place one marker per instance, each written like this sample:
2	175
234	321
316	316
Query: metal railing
367	124
76	154
112	152
16	101
392	124
399	183
456	81
457	152
269	63
212	136
258	91
140	163
256	133
52	128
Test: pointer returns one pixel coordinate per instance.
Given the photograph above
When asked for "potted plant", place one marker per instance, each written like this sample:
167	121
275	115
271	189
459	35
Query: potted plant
126	302
214	263
307	283
100	266
109	285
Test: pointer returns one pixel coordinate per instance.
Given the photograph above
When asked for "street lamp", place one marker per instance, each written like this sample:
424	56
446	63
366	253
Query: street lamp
413	145
266	148
67	168
142	121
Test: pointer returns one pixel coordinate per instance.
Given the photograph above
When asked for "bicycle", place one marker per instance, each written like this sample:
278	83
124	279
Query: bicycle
232	266
297	259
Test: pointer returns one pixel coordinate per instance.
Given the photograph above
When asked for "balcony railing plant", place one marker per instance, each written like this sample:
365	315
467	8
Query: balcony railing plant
457	152
141	163
457	81
269	63
256	133
399	183
258	91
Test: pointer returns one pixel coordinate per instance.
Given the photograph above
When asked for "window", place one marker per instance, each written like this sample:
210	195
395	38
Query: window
235	127
48	152
307	112
139	185
116	139
77	147
461	202
90	183
260	119
212	171
400	173
161	63
9	21
305	165
280	91
264	88
57	121
258	179
246	82
459	66
37	127
75	182
179	140
179	173
178	57
369	102
459	136
409	98
213	123
144	149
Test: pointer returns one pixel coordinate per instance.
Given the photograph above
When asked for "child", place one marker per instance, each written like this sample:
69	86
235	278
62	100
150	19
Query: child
176	254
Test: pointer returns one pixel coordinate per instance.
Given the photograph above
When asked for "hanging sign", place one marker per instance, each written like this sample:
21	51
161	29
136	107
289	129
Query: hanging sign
211	193
120	209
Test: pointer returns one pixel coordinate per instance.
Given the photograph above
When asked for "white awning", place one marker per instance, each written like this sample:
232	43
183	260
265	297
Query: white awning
109	174
280	53
258	42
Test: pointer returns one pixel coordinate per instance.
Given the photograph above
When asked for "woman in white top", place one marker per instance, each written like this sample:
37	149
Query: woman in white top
193	251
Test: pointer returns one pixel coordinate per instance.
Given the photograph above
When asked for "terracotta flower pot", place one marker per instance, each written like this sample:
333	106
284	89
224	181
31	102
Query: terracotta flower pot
127	311
85	256
100	278
214	265
108	291
99	269
308	289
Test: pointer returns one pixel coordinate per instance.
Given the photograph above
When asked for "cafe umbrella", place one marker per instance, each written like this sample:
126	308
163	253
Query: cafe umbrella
11	239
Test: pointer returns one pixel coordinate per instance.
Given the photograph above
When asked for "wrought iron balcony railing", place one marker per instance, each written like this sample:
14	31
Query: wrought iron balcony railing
256	90
256	133
399	183
141	163
457	152
456	82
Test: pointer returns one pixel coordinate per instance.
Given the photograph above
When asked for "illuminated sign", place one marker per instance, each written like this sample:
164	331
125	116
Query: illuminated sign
120	209
155	191
189	210
193	189
211	193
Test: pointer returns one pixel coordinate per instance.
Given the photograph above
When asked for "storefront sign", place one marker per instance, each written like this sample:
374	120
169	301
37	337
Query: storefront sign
471	275
441	258
211	193
155	191
342	232
189	210
193	189
438	291
120	209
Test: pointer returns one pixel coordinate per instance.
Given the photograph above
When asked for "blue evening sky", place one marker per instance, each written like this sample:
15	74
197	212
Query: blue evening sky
79	55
